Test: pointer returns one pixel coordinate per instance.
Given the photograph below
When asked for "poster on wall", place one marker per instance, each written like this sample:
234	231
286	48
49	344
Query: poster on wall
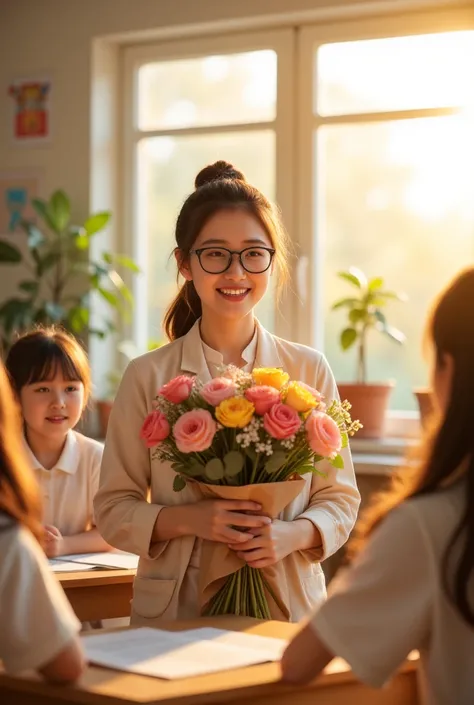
31	110
16	191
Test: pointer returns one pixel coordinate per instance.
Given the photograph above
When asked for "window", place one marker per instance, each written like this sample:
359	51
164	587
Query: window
362	133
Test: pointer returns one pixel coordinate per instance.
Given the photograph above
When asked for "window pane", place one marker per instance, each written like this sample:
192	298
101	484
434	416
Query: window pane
397	200
167	168
399	73
210	90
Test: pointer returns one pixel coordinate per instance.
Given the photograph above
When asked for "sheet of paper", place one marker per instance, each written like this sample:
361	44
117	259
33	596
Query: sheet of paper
170	655
60	566
118	560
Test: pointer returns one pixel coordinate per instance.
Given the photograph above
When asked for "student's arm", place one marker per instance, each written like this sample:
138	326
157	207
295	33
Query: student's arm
335	499
39	628
85	542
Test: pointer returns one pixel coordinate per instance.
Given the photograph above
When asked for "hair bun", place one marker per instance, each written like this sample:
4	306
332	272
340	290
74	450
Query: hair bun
217	171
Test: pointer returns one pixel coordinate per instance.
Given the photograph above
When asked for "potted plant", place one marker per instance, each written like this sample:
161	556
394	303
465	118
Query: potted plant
59	274
364	313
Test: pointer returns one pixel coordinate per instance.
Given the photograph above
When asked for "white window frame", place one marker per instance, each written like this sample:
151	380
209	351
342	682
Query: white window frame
279	40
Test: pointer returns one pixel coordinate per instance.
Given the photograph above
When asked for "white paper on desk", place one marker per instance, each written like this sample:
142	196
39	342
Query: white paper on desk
170	655
115	560
60	566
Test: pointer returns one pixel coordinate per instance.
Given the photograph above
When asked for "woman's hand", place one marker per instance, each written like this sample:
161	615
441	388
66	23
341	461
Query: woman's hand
53	541
221	519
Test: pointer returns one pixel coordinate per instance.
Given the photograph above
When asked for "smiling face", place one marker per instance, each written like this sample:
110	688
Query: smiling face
235	292
51	407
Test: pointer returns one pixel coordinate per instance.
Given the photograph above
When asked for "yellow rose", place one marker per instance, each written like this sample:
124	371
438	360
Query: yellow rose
270	376
299	398
235	412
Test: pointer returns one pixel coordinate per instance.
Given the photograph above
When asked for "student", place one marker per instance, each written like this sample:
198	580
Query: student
38	626
229	243
50	374
412	587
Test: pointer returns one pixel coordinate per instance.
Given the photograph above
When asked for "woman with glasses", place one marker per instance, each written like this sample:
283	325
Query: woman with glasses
229	243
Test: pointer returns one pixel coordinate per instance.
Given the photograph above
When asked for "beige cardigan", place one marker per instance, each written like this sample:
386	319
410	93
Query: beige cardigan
133	488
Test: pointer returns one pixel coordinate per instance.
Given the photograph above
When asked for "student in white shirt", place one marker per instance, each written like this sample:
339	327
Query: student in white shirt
50	374
38	626
229	243
412	585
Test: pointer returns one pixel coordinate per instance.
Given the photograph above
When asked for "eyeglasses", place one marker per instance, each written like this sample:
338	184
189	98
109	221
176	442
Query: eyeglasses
216	260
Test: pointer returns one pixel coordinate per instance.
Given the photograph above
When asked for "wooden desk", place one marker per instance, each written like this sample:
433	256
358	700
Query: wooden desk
255	685
99	594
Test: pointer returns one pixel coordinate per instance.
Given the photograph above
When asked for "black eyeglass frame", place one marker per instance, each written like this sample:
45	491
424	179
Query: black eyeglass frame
199	251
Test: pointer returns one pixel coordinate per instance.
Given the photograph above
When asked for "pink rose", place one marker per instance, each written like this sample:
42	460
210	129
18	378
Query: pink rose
178	389
324	436
262	397
194	431
281	421
217	390
155	429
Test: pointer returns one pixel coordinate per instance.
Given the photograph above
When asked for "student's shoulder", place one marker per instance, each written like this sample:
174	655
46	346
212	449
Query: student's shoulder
289	349
90	447
16	542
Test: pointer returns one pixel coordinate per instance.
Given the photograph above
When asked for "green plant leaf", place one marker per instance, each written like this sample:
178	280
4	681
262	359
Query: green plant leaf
31	286
195	469
215	469
233	463
395	334
109	296
354	276
179	483
251	454
78	318
34	234
55	311
375	284
275	461
127	262
59	209
16	314
120	285
345	440
47	262
337	462
394	295
348	338
41	208
379	316
345	302
356	315
96	222
9	254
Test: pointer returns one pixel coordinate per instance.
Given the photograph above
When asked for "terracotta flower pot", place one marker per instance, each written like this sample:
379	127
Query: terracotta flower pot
425	404
104	407
369	405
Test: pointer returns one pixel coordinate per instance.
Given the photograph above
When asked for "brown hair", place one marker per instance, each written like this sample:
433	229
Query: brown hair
36	357
219	186
19	496
447	452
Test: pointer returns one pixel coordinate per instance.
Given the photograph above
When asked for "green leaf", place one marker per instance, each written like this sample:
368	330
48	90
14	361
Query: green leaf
348	338
179	483
59	209
233	463
395	334
31	287
47	262
345	440
376	283
96	222
16	314
9	254
251	454
111	298
337	462
356	315
127	262
379	316
195	469
354	276
275	461
345	302
305	469
78	318
215	469
396	296
41	208
120	285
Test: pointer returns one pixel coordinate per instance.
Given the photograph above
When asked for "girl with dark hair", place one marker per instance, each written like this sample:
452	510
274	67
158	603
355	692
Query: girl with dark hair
412	584
50	375
229	243
38	626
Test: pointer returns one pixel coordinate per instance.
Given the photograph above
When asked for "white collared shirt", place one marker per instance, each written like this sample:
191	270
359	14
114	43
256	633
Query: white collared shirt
68	489
215	359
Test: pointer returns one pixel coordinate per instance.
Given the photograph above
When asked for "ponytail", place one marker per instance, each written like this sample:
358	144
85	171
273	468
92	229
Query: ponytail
183	312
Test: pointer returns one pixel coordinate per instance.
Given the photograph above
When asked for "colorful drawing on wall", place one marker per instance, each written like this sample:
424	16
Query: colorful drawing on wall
16	192
32	110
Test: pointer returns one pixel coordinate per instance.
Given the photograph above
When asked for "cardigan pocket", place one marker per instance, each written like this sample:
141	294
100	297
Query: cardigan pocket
151	596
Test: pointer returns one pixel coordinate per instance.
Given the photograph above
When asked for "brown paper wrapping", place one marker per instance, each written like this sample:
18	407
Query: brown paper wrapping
218	561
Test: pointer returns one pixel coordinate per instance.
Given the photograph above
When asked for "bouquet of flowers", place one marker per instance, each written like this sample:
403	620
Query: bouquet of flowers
249	437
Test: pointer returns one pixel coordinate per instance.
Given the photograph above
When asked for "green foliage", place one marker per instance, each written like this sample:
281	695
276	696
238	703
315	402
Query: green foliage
364	312
58	267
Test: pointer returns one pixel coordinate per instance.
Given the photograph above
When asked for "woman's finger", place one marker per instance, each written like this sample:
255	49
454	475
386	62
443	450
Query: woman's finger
245	520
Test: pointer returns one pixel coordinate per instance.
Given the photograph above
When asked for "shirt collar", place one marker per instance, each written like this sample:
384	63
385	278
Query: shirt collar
68	460
248	354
